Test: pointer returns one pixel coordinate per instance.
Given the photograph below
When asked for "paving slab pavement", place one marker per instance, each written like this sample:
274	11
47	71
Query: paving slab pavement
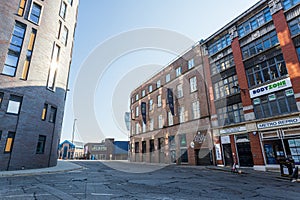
62	166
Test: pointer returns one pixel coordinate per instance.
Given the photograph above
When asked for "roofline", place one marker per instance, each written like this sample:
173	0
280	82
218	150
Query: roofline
228	25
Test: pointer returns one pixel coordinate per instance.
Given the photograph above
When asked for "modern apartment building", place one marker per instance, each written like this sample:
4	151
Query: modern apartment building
252	74
36	42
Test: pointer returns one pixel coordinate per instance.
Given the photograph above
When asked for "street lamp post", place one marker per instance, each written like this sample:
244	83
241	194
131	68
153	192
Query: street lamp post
73	130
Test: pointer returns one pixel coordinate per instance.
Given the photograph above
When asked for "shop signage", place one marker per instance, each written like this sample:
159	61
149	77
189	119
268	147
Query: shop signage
281	122
199	138
233	130
225	139
218	151
269	88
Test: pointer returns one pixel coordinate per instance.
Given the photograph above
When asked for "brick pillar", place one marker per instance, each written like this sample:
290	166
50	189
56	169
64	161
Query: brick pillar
242	79
156	151
289	51
233	149
256	150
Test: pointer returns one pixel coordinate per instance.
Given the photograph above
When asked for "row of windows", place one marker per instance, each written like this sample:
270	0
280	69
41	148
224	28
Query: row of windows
226	87
255	22
193	88
267	41
195	113
15	103
222	64
219	44
289	3
230	114
267	70
40	148
36	10
274	104
182	143
294	26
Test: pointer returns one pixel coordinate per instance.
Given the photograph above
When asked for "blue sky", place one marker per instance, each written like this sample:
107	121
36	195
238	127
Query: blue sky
100	20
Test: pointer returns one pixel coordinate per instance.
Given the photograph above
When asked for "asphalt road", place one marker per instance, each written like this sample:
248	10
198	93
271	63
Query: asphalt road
121	180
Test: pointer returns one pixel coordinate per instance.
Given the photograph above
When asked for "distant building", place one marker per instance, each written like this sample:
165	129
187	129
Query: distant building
36	43
69	150
106	150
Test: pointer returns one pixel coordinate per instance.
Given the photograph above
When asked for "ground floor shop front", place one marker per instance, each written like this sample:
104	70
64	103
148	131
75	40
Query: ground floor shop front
262	145
189	143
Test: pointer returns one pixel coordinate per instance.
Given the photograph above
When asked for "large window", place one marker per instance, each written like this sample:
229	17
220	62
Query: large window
219	44
53	67
52	116
14	50
151	124
294	26
40	148
289	3
191	63
159	101
28	55
230	114
137	128
160	121
226	87
170	119
35	13
137	111
150	88
193	84
181	114
268	70
179	91
151	104
14	104
137	97
168	78
267	41
143	93
222	64
178	71
64	35
158	84
275	104
196	110
63	10
255	22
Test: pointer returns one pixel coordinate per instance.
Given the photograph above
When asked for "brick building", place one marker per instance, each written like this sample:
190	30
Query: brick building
169	112
251	70
36	44
109	149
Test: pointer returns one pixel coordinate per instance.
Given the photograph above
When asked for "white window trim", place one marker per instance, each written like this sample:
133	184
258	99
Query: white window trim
42	8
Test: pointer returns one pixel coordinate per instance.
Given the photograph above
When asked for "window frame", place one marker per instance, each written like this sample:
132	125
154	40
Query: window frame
40	14
41	140
193	84
18	100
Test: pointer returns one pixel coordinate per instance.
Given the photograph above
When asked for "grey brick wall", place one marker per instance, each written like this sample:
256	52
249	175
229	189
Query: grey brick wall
28	124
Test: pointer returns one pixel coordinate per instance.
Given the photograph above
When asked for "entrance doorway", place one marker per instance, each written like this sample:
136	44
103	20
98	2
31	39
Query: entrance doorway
227	154
203	156
245	154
